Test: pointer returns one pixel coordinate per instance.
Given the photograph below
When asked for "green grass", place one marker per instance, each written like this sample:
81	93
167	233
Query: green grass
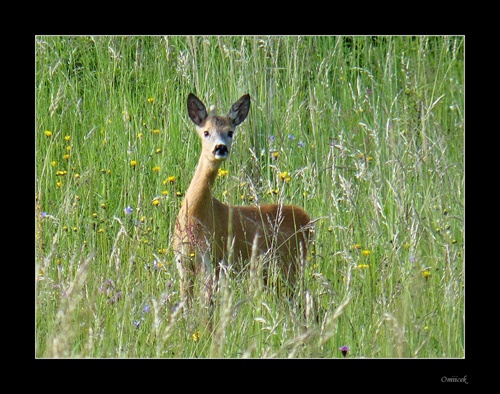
371	133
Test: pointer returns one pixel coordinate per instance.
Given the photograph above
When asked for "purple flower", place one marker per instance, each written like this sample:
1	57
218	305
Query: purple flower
128	210
291	137
300	144
344	349
146	308
271	139
137	323
44	214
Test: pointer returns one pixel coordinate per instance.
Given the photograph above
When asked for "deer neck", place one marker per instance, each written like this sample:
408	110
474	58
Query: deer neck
199	193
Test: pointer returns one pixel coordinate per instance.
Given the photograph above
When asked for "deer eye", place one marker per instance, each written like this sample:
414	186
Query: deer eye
230	134
206	133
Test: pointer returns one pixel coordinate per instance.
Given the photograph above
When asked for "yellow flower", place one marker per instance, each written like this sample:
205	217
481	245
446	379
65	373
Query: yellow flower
196	336
275	154
139	135
158	150
133	163
285	177
59	183
66	157
151	100
103	205
356	246
156	131
156	202
54	163
61	172
222	173
170	179
48	133
426	273
67	138
366	252
362	266
156	169
164	192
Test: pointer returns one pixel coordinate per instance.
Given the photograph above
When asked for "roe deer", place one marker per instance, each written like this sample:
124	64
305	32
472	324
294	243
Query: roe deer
207	229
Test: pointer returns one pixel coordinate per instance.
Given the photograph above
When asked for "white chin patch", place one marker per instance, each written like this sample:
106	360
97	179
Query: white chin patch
221	156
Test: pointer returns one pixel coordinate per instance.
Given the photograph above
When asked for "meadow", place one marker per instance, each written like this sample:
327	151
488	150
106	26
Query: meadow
365	133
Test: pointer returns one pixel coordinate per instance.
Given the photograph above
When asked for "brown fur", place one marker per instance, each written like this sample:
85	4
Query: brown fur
205	225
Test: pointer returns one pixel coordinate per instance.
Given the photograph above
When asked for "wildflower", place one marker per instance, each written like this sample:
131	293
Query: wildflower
275	155
139	135
344	349
330	229
156	131
59	183
164	192
66	156
77	175
356	246
156	202
61	172
146	308
179	194
158	150
44	214
128	210
426	273
67	138
94	215
363	266
284	176
151	100
300	144
291	137
48	133
366	252
170	179
196	336
68	148
222	173
133	163
271	139
137	323
103	205
156	169
53	163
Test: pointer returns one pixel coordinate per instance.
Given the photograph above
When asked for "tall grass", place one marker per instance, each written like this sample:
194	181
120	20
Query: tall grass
369	131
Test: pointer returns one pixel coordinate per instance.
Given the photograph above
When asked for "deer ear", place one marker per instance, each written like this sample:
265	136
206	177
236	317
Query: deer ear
196	109
239	110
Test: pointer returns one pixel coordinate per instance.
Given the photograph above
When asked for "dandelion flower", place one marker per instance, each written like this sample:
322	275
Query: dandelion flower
196	336
48	133
222	173
363	266
366	252
151	100
156	131
133	163
156	169
156	202
426	273
67	138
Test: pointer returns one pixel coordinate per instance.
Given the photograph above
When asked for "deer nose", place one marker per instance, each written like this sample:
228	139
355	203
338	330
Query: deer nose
221	151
